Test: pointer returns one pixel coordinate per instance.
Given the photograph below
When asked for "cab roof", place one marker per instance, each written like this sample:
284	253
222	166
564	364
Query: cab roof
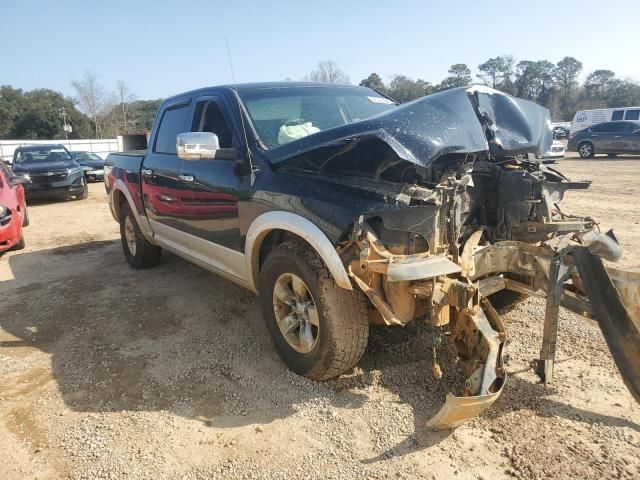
252	87
31	148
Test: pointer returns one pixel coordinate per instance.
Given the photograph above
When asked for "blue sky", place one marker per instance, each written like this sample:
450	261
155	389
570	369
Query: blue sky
161	47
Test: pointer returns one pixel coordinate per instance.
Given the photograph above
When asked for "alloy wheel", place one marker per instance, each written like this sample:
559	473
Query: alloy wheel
585	150
130	235
296	312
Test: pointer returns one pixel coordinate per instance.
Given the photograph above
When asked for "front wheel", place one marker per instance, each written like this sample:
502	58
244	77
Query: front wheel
138	251
25	218
320	330
586	150
85	190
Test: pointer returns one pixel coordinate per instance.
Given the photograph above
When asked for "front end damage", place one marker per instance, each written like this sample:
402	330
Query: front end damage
470	224
436	262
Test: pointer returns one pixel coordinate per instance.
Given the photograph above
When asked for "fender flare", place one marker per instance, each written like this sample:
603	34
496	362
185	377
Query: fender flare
291	222
120	187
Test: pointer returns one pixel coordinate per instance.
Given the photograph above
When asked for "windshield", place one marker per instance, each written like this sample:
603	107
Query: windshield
44	154
282	115
81	156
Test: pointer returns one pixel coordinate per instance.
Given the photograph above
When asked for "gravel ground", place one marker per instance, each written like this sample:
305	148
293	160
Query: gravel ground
106	372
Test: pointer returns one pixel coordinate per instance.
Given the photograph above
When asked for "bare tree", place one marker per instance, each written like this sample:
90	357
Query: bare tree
89	97
328	71
124	97
108	114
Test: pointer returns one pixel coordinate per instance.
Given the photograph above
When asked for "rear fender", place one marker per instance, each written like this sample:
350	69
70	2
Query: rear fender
119	194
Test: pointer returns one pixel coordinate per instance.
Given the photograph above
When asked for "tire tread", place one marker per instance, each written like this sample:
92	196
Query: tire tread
348	311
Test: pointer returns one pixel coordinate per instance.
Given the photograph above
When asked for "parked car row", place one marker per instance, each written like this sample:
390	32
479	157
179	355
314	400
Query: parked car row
41	170
54	171
13	210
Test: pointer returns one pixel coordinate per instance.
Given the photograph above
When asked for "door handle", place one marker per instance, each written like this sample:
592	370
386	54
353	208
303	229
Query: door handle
146	171
186	178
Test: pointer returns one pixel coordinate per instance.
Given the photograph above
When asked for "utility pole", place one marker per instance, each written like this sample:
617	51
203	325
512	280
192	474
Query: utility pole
65	127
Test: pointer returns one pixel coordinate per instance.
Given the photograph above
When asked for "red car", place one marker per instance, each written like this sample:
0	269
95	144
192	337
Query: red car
13	210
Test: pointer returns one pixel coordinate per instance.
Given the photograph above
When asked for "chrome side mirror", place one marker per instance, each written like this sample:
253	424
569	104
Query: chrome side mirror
197	146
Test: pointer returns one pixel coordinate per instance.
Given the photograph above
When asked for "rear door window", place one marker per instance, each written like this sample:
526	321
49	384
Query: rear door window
632	115
173	122
617	115
618	127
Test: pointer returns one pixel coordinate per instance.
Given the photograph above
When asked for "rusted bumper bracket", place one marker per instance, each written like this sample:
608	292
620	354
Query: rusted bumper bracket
558	275
575	278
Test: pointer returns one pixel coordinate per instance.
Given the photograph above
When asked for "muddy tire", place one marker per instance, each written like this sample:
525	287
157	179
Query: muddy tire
137	250
586	150
320	330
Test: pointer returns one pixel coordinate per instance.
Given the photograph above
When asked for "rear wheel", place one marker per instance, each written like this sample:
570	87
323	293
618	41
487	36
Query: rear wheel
138	251
586	150
320	329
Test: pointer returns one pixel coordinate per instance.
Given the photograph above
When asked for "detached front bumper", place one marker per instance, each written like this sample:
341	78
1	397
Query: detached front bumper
566	270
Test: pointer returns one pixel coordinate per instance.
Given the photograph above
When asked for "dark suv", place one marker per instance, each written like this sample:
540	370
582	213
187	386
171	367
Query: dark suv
51	170
612	138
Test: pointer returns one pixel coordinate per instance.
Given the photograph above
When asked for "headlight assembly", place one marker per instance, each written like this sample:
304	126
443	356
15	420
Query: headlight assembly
74	170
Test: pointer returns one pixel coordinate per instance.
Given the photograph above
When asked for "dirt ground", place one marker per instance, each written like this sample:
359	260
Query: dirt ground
107	372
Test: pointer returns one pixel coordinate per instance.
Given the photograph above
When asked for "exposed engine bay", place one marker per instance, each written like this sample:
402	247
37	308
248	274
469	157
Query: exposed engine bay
485	227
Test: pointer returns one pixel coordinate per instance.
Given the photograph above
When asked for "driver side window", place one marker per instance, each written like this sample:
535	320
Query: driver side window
209	118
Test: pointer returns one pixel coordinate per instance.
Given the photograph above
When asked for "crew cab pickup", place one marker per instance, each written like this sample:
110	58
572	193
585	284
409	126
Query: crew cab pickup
341	209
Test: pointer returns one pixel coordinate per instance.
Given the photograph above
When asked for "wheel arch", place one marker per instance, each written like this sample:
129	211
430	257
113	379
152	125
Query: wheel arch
277	225
120	195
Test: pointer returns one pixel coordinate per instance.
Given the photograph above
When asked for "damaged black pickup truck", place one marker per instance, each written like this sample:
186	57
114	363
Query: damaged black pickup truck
342	209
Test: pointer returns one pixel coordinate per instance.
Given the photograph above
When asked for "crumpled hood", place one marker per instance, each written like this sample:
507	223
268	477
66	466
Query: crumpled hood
474	119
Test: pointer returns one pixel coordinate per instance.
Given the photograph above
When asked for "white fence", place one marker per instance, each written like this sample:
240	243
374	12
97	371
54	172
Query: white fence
101	147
